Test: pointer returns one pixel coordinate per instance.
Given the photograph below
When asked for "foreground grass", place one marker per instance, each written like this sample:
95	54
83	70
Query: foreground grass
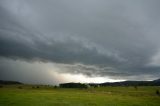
102	96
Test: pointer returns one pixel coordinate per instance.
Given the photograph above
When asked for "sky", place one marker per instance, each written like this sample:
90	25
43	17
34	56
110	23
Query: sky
57	41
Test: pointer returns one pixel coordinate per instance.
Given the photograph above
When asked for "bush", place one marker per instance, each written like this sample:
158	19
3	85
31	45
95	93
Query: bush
55	86
136	87
157	92
19	87
1	86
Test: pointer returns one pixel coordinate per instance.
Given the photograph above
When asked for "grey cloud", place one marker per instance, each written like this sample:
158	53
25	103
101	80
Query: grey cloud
122	35
92	70
62	52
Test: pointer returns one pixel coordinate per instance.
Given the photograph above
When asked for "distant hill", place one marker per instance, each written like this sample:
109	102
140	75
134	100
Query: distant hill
158	80
9	82
133	83
123	83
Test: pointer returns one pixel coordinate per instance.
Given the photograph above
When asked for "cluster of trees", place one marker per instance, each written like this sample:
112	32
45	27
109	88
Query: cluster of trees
73	85
78	85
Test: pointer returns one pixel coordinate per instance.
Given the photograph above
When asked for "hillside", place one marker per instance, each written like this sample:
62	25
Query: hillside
133	83
9	82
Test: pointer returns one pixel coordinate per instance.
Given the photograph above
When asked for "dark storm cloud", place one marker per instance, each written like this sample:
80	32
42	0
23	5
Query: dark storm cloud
33	49
108	38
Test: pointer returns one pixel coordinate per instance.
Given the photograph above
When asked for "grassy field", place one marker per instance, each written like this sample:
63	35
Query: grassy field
27	95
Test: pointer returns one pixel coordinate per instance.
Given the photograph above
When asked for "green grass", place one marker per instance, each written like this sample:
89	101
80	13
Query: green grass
102	96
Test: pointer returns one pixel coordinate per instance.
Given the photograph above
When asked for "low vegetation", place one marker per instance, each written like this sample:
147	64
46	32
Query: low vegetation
41	95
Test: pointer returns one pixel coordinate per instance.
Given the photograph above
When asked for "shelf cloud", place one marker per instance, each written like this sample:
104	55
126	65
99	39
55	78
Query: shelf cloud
115	39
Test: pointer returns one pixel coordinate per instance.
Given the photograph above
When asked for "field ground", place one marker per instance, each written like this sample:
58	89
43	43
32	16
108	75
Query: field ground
29	95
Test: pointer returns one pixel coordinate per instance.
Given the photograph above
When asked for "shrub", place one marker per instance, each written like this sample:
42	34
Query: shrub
1	86
19	87
135	87
55	86
157	92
